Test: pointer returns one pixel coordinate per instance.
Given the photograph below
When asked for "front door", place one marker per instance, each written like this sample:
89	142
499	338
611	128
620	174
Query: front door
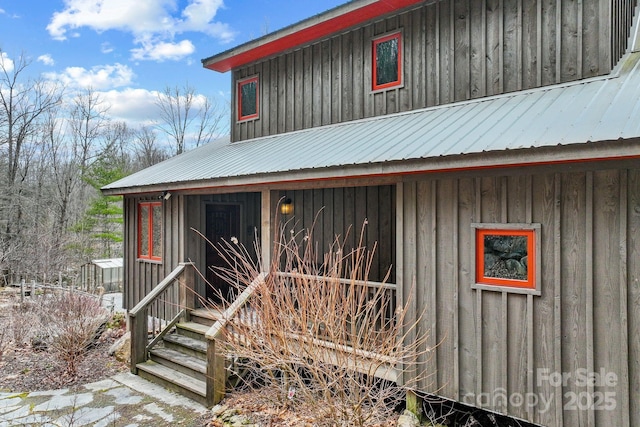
223	223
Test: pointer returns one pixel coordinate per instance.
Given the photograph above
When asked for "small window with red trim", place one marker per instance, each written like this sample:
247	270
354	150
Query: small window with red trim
150	231
247	98
507	257
387	61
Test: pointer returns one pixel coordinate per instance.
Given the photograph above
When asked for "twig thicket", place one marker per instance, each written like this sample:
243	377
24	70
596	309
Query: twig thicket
319	337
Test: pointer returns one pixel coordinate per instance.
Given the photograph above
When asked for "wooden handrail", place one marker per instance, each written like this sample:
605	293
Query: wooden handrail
376	285
216	371
232	310
162	286
138	315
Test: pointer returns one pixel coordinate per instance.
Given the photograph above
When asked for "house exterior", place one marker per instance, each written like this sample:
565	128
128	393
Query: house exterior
492	146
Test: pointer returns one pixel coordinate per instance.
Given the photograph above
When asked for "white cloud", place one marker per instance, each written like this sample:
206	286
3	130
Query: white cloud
46	59
161	51
153	23
106	47
102	77
6	62
133	106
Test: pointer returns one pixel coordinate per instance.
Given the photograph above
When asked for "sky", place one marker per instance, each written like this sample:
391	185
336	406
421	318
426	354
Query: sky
129	50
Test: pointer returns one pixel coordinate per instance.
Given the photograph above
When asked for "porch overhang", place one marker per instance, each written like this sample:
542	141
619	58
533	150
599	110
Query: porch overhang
591	120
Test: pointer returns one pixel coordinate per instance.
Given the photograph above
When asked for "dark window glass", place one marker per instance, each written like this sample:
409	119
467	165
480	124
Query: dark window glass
386	55
144	231
248	99
506	257
157	232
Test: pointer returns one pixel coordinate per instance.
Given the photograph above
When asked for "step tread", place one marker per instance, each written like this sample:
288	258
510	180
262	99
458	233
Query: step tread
187	342
193	327
171	375
179	358
207	313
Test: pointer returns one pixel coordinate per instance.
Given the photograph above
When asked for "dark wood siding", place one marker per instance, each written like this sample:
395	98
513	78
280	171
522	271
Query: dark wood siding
492	345
453	50
340	213
181	215
142	275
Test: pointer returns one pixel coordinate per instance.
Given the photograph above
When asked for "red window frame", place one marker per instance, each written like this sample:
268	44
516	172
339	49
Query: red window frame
374	68
242	83
148	244
531	284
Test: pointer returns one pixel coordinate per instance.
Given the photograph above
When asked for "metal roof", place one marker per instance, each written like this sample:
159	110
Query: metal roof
598	109
108	262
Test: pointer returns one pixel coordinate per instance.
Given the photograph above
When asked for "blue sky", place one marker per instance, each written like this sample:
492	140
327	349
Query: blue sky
127	50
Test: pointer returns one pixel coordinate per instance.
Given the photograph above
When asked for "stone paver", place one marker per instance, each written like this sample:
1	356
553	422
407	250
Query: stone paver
122	401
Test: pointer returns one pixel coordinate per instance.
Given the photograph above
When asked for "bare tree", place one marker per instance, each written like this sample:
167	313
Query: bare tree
147	151
23	105
186	116
88	118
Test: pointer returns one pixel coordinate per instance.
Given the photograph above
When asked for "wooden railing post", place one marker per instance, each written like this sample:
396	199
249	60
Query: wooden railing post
139	338
216	372
187	288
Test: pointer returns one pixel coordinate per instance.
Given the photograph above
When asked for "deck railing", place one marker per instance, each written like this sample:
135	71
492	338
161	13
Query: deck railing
167	304
382	296
158	312
216	370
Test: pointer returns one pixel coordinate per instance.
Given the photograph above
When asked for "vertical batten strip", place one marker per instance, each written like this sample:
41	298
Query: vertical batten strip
483	66
433	276
624	288
589	285
501	46
579	59
539	43
558	41
504	362
478	320
438	50
557	294
519	47
400	231
456	287
530	324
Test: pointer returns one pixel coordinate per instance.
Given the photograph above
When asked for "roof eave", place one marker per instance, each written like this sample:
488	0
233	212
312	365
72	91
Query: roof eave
585	152
331	22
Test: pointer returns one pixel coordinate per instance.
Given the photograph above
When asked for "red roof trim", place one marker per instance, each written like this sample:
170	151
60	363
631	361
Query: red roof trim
308	34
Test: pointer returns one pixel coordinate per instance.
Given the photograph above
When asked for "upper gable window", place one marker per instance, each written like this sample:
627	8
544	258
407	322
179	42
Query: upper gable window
247	95
387	61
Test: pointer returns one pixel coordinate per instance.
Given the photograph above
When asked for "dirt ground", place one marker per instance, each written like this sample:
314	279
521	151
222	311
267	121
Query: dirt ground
23	368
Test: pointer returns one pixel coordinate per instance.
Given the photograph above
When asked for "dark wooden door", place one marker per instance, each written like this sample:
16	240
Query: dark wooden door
223	222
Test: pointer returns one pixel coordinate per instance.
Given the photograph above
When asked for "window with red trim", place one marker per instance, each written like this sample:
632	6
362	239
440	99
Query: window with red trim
387	61
247	98
150	231
507	256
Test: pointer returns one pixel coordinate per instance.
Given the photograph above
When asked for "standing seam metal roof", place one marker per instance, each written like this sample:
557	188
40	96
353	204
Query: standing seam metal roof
597	109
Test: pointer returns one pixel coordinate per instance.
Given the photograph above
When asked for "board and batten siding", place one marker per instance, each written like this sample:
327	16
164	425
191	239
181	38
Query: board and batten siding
141	276
453	50
493	345
338	215
182	214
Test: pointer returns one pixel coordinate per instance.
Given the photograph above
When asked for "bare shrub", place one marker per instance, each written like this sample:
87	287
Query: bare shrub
320	338
23	320
72	323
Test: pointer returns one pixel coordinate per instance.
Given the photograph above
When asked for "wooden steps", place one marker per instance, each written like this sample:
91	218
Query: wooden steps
174	380
179	361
